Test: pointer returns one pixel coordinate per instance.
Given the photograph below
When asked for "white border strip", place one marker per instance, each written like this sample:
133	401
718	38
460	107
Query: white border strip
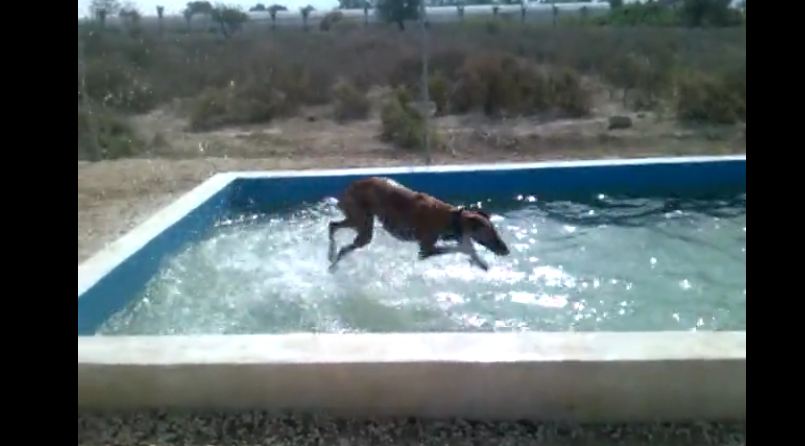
309	348
485	167
581	377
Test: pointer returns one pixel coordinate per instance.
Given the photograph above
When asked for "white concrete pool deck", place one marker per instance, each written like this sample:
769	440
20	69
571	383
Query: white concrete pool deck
589	377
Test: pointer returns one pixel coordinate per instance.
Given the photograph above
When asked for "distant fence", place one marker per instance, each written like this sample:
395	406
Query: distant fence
535	12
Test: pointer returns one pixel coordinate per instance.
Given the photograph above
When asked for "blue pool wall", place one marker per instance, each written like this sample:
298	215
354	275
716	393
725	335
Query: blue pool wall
112	292
270	192
682	179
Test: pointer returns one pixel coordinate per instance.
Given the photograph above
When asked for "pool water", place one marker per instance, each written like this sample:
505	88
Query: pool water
602	263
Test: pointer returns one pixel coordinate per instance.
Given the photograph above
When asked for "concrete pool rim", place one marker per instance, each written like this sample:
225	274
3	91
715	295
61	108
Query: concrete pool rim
580	376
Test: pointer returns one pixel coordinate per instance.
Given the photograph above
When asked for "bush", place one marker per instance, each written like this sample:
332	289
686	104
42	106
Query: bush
648	77
403	125
438	90
709	13
693	13
118	88
645	14
350	103
107	136
251	103
567	93
303	85
504	84
706	99
408	71
330	19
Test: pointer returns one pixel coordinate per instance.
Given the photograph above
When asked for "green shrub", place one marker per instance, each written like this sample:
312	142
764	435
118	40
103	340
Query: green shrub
567	93
703	98
403	125
106	135
303	85
439	92
253	102
116	87
330	20
505	84
349	102
408	70
645	14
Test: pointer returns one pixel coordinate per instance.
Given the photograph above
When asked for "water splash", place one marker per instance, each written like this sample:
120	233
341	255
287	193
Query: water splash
627	264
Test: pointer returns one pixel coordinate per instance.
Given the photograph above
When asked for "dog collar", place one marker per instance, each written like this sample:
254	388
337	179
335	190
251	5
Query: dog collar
455	221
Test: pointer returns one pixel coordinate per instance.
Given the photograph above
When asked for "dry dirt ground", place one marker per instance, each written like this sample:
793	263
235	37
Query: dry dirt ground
115	196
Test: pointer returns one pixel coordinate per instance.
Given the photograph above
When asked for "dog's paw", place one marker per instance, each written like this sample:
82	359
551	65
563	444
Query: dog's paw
479	264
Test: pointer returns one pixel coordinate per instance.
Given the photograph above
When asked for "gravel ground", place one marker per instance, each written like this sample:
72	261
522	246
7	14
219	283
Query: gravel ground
261	428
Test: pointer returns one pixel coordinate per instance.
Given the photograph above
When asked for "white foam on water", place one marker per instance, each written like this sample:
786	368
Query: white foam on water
268	274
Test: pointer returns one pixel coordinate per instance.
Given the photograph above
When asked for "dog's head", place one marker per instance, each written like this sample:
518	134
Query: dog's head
477	224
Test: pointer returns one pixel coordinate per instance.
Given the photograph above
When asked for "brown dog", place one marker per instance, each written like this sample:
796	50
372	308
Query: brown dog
412	216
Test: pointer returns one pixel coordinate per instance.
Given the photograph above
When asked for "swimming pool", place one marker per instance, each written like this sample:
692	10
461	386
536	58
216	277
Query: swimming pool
605	263
627	279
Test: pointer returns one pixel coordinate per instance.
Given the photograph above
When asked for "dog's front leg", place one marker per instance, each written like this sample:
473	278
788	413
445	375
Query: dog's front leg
428	248
425	252
465	247
468	248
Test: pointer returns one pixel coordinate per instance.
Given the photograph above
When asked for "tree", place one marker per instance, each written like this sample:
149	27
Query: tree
398	11
100	9
495	10
460	8
188	17
614	4
697	13
258	8
130	17
272	11
202	8
305	14
523	10
229	19
160	13
366	6
330	19
555	14
197	8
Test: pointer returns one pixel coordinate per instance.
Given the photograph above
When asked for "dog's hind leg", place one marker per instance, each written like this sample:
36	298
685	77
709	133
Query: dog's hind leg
365	231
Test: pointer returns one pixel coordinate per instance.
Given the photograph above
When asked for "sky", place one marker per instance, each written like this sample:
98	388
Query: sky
149	7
